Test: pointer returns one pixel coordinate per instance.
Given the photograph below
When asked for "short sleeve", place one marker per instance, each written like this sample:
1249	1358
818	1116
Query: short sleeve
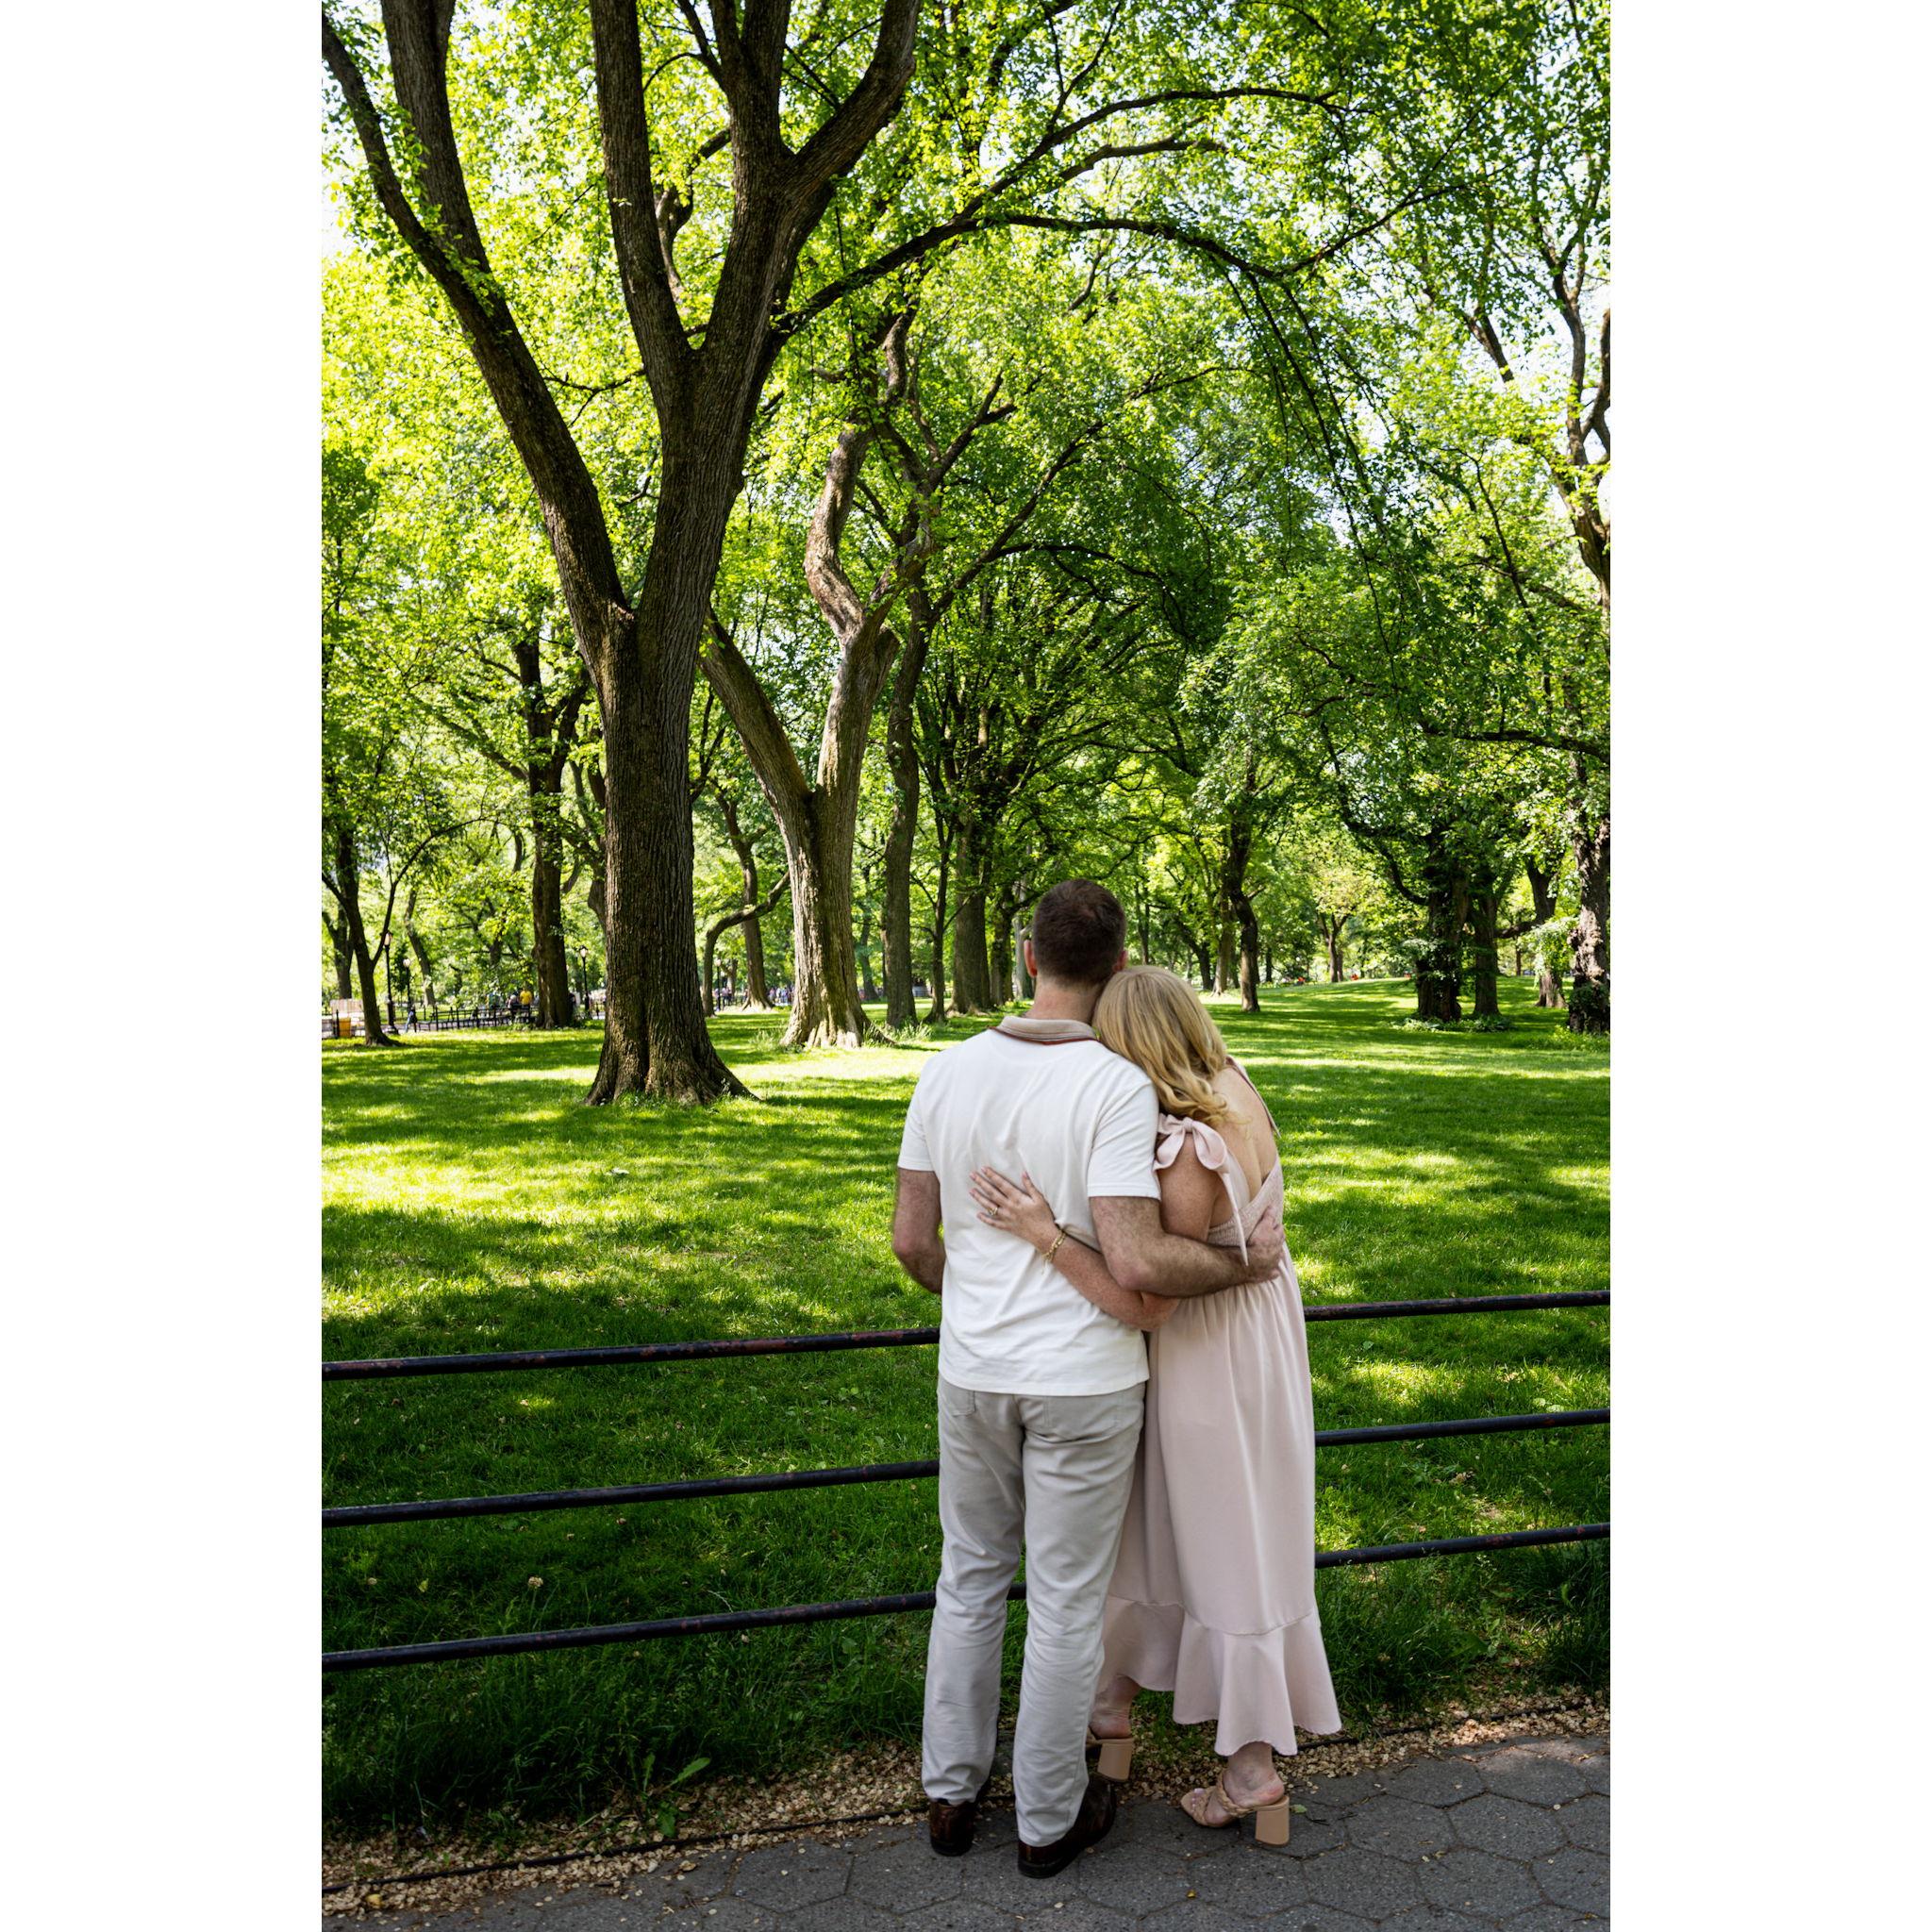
912	1148
1122	1161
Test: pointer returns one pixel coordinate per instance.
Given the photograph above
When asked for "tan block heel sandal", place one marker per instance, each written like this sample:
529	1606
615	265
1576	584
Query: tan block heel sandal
1271	1820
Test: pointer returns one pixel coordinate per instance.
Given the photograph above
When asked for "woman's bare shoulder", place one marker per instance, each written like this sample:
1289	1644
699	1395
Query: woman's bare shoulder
1246	1127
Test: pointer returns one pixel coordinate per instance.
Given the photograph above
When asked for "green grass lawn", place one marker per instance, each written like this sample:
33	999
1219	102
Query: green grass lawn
472	1203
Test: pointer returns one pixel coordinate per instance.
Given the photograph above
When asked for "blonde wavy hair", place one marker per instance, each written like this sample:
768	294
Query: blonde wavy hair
1148	1016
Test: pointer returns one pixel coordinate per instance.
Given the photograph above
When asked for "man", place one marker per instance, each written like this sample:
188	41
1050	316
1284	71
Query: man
1040	1395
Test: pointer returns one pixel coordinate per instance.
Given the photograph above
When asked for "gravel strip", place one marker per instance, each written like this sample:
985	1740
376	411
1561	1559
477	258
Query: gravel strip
869	1788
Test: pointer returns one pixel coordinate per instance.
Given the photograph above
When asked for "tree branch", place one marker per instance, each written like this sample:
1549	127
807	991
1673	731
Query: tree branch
447	243
756	721
972	221
643	252
845	136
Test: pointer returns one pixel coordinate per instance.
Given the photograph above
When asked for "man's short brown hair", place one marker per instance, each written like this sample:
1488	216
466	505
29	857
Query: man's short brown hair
1077	932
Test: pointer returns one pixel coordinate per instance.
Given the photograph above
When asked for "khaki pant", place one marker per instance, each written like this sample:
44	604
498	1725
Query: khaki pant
1056	1470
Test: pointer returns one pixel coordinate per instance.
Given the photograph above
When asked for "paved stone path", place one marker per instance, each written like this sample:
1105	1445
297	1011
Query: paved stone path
1512	1835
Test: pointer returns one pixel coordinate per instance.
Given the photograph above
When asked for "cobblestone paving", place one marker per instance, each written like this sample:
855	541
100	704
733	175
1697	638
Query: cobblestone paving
1512	1835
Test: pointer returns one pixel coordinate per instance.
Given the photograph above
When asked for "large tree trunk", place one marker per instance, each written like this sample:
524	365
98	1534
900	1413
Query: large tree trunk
936	1010
1204	960
1001	952
758	994
655	1040
643	656
1223	956
1333	925
1439	966
1590	938
1248	975
348	885
345	957
825	1006
902	764
1234	886
867	987
1482	949
550	726
972	970
819	820
546	912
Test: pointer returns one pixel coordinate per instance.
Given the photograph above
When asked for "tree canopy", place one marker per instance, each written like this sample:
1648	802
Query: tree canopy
798	480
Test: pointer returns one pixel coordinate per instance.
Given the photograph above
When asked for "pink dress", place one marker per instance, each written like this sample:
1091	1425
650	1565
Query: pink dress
1213	1594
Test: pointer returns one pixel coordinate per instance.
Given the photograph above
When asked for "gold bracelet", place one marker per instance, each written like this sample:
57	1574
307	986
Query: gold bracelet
1056	1248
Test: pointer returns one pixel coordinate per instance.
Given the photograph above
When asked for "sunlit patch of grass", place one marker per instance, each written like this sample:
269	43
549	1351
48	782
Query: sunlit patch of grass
472	1204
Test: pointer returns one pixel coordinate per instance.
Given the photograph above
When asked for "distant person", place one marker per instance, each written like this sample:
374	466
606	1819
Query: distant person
1213	1594
1041	1386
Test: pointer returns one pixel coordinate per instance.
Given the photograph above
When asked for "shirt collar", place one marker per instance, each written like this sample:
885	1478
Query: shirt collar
1044	1032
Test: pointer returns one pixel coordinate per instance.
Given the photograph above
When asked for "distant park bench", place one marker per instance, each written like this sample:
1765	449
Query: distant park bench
468	1023
477	1019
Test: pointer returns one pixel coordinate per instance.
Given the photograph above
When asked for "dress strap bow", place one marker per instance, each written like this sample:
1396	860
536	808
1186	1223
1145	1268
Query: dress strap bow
1174	1133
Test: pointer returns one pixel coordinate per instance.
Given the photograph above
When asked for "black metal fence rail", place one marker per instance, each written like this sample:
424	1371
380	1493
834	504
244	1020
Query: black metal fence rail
718	1621
533	1500
516	1361
513	1642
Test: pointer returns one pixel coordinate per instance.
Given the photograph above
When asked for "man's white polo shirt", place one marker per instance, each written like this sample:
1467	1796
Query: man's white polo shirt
1041	1097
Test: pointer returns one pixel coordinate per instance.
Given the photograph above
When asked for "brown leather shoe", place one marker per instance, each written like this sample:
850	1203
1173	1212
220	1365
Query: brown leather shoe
1095	1820
950	1826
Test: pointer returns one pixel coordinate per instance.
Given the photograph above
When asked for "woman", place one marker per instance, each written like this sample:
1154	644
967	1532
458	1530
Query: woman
1213	1594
